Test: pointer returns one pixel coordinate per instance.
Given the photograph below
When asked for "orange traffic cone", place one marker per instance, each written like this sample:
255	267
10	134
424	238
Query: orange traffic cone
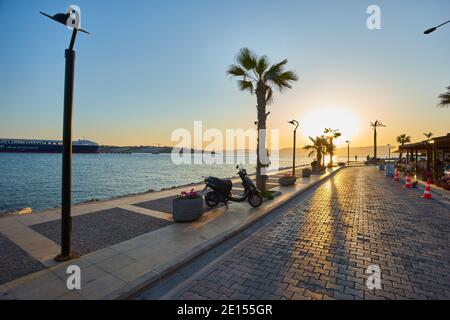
397	176
408	182
427	193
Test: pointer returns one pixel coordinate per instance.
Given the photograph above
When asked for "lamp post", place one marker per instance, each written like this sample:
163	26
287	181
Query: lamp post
434	28
296	124
348	152
389	152
70	19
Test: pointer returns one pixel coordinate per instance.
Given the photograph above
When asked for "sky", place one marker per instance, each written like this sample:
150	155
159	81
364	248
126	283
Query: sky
150	67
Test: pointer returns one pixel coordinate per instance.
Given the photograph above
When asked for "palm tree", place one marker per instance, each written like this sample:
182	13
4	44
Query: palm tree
375	125
445	98
331	134
402	139
318	148
429	135
257	75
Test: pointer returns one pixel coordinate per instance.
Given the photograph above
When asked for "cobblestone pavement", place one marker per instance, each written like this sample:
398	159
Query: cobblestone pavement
322	247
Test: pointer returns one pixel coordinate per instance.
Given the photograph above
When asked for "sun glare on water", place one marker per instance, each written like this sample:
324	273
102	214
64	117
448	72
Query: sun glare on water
314	123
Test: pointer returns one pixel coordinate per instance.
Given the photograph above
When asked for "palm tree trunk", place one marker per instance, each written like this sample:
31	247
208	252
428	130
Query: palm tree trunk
261	180
331	152
375	143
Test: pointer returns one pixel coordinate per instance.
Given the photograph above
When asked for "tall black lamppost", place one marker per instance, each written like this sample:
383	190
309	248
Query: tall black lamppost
296	124
69	19
389	152
348	152
434	28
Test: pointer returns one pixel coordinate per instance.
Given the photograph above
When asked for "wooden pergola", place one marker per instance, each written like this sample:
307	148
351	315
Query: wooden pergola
436	148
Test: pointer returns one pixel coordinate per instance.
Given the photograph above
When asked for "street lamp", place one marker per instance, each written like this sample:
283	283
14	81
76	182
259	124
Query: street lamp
296	124
348	152
434	28
389	152
70	19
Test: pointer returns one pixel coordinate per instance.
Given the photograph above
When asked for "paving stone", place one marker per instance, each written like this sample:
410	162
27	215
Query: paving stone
321	247
98	230
15	262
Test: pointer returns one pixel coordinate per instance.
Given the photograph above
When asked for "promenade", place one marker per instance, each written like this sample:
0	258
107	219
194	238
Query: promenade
326	231
126	243
321	247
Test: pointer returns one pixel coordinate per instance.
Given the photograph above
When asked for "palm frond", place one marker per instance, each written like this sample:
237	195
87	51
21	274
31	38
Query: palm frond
377	124
284	80
403	138
275	70
247	59
261	66
445	98
245	85
236	71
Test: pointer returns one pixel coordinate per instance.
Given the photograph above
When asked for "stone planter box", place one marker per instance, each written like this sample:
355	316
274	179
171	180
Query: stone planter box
306	173
287	181
187	210
318	172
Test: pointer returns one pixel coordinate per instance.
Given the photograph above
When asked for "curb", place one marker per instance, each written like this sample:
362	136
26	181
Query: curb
153	278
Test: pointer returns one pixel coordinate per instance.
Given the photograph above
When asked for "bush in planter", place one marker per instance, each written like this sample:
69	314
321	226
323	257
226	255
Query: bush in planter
187	207
287	180
306	173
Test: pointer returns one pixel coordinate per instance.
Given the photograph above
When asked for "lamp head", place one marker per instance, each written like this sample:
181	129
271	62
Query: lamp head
70	19
59	17
430	30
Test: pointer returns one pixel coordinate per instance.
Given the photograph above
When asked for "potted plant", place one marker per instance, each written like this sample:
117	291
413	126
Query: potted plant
306	173
287	180
187	207
317	168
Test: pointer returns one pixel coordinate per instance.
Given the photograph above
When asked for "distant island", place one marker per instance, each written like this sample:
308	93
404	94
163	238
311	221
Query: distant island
138	149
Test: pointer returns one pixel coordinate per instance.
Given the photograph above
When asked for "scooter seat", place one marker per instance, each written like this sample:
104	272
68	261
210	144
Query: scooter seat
220	184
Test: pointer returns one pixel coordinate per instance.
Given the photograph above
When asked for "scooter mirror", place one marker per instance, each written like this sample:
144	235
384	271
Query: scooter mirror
237	167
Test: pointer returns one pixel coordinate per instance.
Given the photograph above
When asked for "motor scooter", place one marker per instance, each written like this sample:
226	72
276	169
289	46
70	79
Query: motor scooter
220	191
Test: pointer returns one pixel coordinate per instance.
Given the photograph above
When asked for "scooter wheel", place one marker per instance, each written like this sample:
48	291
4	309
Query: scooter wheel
255	200
212	199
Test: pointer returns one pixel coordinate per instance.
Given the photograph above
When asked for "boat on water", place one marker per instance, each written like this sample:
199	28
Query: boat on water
45	146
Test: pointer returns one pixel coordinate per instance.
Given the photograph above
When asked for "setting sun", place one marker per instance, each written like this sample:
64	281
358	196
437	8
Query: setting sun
314	123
